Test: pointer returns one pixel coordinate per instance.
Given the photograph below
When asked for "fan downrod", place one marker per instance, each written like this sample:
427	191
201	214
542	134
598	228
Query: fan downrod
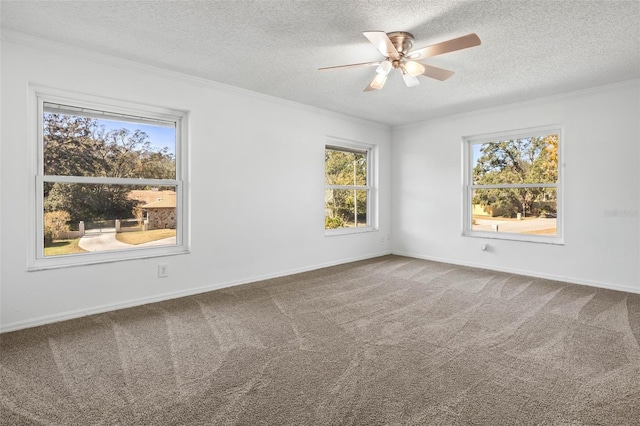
402	41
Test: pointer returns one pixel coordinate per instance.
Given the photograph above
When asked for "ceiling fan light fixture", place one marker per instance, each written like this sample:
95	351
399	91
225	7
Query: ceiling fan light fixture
414	68
379	81
384	68
409	80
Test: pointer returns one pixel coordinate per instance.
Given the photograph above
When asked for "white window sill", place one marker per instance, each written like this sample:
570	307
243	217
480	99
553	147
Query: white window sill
348	231
555	240
86	259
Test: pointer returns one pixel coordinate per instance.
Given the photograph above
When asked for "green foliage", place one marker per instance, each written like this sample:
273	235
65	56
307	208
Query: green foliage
77	146
341	165
349	169
89	201
71	146
159	165
333	222
517	161
55	223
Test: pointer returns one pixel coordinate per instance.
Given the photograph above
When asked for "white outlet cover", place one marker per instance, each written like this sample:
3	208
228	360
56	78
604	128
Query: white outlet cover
163	271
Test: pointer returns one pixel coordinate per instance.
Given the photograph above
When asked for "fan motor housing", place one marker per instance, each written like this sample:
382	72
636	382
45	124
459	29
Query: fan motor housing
402	41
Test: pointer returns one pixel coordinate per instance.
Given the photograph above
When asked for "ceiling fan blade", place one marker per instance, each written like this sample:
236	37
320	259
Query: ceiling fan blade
452	45
377	83
381	41
437	73
364	64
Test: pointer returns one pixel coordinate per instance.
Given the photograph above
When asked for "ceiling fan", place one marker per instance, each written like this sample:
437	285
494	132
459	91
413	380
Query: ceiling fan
396	48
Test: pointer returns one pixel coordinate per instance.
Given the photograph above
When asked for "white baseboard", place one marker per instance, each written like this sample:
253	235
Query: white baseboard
561	278
63	316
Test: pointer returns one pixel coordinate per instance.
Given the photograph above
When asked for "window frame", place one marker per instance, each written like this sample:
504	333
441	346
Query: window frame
371	185
468	186
130	111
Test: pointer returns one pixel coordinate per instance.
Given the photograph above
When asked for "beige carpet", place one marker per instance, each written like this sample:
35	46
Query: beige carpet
390	341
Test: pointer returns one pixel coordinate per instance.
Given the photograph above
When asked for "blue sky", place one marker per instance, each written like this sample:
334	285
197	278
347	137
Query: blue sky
476	153
159	136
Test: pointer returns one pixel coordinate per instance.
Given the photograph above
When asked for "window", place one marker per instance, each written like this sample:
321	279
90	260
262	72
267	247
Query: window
512	185
349	192
109	182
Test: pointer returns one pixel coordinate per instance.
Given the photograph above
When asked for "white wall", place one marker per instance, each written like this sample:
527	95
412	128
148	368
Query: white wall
601	172
265	157
257	187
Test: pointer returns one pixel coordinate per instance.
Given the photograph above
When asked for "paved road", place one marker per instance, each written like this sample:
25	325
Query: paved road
96	241
516	226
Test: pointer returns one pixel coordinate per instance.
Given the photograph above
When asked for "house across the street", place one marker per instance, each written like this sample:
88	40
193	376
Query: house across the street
159	205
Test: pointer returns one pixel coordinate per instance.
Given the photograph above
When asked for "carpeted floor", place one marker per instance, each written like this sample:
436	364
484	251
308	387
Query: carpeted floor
388	341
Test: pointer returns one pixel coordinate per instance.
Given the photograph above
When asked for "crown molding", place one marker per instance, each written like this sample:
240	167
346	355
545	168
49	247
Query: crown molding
34	42
630	84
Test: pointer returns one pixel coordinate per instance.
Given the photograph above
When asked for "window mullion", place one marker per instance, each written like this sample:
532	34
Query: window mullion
358	187
109	180
515	185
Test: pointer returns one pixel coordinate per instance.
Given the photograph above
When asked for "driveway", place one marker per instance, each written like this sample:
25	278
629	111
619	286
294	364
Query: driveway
101	241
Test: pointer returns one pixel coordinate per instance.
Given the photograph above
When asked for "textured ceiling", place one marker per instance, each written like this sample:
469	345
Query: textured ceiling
530	48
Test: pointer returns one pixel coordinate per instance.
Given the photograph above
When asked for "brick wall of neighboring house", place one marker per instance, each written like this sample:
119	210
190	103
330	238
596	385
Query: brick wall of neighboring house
161	212
162	218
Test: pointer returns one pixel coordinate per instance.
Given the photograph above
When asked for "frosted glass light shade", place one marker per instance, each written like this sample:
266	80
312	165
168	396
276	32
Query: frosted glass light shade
409	80
379	81
384	68
413	68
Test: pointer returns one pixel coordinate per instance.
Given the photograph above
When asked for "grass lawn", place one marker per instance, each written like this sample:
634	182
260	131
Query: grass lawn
60	247
139	237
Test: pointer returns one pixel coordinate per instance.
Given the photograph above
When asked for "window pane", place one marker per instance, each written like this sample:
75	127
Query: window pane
515	210
96	217
345	208
345	167
78	145
516	161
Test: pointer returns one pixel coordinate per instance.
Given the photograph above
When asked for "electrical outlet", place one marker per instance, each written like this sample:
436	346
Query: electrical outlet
163	271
